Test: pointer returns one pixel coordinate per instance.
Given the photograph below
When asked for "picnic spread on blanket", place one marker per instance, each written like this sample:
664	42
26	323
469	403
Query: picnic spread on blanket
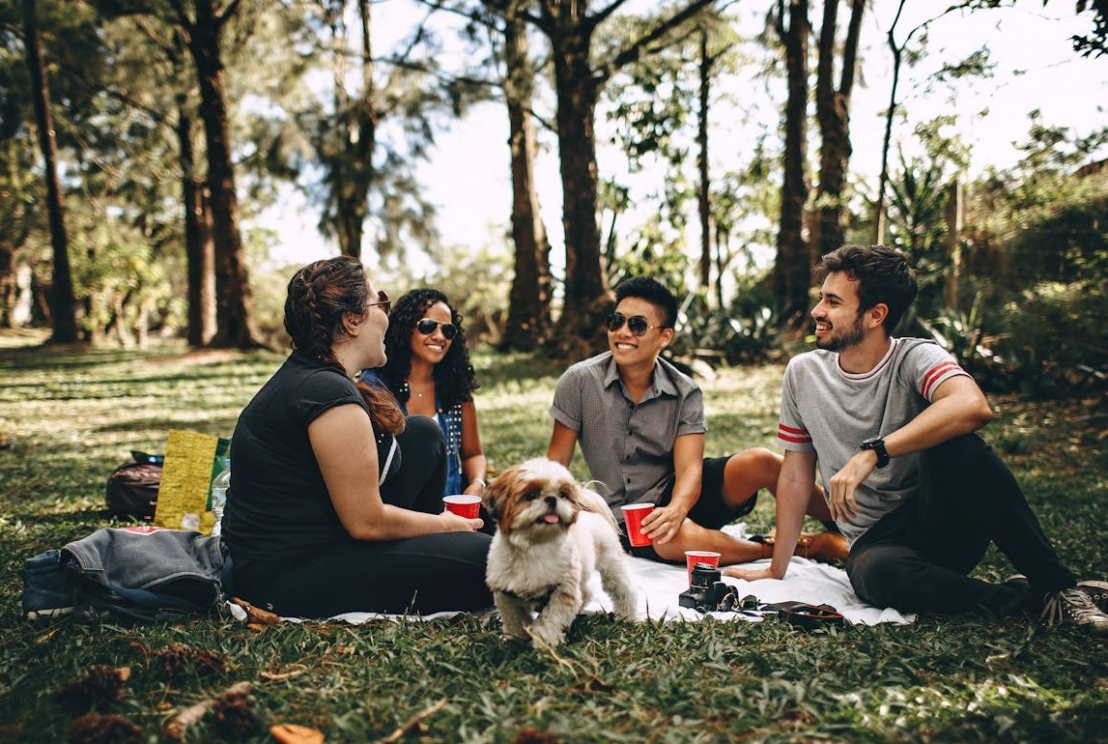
660	585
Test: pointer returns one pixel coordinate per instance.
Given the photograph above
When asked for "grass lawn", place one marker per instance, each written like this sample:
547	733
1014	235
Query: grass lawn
68	417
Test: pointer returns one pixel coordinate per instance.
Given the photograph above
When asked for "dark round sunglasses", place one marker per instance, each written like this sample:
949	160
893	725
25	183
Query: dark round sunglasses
428	326
383	302
637	324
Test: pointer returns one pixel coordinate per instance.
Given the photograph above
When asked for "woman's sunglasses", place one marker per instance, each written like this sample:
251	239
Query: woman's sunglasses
383	301
637	324
428	326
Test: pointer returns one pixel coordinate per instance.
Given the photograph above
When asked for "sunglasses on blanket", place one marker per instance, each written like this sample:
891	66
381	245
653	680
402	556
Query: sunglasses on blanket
428	326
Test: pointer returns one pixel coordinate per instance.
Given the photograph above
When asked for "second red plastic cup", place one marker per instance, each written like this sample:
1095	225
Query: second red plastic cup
692	557
463	505
633	515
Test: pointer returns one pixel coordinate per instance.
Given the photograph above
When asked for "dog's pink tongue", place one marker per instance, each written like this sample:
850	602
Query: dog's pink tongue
550	518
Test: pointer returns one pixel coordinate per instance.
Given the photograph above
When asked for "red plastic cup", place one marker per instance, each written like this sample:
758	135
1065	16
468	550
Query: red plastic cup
692	557
463	505
633	515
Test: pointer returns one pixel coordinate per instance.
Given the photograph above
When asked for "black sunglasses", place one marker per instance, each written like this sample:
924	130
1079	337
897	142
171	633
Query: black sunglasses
383	301
637	324
428	326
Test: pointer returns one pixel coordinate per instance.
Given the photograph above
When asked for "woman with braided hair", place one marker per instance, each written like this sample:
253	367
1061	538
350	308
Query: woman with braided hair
335	502
429	372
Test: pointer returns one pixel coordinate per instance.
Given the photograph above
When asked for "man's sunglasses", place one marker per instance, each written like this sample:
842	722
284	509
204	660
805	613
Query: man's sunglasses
637	324
428	326
382	300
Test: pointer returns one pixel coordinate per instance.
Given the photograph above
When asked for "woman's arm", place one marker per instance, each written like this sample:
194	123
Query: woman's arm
344	446
474	464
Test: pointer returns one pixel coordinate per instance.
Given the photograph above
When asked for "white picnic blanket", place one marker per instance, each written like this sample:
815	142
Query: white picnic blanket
661	584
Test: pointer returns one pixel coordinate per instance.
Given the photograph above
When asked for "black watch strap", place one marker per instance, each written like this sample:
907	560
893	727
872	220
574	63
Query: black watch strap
877	444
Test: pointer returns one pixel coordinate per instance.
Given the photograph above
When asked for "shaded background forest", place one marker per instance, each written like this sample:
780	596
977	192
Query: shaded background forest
137	137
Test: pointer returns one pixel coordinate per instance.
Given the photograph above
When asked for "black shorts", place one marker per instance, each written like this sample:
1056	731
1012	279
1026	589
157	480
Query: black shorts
710	510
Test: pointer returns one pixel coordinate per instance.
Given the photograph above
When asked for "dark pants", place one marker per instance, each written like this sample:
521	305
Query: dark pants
420	575
916	558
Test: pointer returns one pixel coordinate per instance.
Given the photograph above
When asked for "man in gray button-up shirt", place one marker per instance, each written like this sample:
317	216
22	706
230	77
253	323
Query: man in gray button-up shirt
640	422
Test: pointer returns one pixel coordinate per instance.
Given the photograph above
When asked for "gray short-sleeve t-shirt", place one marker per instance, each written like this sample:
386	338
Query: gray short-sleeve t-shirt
628	447
830	412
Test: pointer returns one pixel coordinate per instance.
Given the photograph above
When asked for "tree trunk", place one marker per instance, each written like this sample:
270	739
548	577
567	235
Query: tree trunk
353	164
833	114
199	248
569	27
792	271
953	236
529	317
587	296
883	180
704	205
234	302
63	304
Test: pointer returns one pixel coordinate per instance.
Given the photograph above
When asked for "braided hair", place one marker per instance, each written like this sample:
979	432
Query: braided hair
318	297
455	379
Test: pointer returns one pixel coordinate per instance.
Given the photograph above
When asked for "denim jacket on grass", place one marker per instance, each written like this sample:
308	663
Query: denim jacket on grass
137	573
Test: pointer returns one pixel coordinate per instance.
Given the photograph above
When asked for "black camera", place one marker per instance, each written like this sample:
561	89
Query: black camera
706	593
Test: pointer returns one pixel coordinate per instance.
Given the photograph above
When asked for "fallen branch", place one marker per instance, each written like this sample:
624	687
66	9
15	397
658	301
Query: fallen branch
413	723
193	714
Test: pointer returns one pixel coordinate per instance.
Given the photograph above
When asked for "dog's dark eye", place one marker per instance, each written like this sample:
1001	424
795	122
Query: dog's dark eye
531	495
563	494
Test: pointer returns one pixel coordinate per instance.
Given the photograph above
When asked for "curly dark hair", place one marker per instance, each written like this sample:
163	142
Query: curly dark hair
318	296
883	275
455	379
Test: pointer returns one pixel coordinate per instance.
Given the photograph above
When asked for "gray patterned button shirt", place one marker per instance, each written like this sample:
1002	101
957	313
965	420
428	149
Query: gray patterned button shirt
627	446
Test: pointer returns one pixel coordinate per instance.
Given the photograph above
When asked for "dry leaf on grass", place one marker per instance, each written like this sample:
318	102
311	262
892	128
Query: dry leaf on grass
256	615
293	733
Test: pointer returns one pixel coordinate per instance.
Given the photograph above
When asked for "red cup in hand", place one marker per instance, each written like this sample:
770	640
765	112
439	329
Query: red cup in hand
633	515
463	505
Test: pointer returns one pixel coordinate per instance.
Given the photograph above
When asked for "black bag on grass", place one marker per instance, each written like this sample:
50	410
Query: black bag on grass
132	488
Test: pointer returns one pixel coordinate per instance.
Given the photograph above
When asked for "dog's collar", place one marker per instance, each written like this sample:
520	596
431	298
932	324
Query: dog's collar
540	600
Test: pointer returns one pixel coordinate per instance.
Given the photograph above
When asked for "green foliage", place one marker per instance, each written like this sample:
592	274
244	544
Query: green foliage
744	332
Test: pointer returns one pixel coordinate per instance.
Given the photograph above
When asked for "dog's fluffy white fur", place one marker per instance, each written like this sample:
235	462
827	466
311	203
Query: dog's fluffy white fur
552	534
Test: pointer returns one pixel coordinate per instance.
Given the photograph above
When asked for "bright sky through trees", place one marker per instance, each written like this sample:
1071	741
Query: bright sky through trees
1036	68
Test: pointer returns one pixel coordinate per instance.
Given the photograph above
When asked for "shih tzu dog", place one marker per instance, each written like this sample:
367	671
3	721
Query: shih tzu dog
552	534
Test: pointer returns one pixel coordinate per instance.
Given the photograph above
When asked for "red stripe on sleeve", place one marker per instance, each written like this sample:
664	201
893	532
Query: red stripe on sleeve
793	435
936	373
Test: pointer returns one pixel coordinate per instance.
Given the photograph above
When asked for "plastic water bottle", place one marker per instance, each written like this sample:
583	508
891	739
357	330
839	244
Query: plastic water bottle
219	494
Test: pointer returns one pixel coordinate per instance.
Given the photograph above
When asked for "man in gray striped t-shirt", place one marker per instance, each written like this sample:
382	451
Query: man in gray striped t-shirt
891	424
640	422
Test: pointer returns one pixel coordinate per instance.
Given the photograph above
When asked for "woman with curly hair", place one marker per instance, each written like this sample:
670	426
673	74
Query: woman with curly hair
335	503
429	372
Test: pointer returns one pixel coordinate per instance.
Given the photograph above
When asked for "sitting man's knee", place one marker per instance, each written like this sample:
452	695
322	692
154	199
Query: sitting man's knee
766	463
877	575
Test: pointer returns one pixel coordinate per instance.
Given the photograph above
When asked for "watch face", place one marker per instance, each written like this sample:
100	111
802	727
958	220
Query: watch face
877	444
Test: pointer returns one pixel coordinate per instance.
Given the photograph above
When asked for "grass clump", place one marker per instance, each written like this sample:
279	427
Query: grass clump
67	417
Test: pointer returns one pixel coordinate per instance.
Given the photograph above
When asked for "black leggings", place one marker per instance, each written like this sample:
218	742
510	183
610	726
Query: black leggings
418	575
916	558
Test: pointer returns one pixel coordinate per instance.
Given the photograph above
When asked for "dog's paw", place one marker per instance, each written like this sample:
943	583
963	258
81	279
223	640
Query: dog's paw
547	638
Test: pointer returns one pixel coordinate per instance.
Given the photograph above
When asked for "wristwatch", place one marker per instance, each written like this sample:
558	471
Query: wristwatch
877	444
